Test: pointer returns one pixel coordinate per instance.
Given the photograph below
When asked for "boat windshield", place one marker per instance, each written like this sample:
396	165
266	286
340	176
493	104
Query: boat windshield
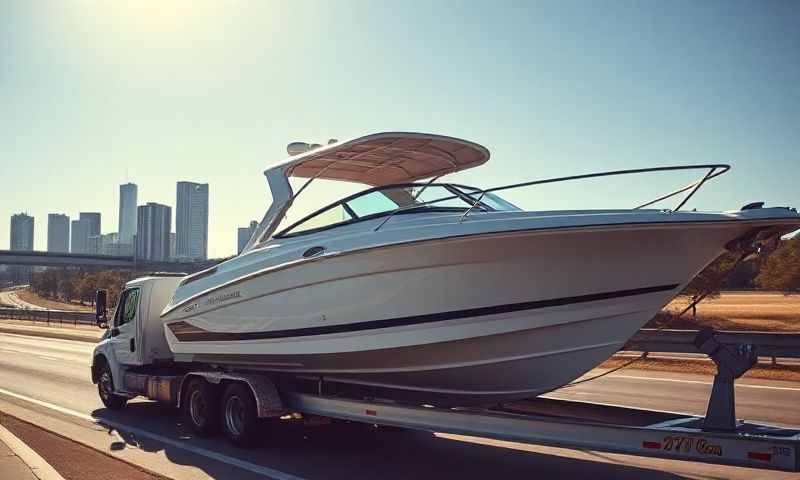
397	199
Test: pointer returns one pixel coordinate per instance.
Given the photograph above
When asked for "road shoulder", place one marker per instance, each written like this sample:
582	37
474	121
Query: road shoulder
19	461
74	460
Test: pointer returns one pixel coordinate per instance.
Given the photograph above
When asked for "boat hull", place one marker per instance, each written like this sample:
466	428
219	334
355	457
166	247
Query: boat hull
467	320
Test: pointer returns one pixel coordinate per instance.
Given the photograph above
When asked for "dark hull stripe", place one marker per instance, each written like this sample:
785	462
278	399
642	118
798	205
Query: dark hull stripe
186	332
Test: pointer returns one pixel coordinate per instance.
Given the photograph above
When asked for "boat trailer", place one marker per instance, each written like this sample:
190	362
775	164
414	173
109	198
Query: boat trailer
717	438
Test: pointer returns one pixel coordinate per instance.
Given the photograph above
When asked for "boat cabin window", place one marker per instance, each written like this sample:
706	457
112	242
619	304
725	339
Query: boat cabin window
490	199
395	199
331	216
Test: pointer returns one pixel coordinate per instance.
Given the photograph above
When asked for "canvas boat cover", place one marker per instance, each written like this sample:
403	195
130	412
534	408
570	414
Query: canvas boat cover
386	158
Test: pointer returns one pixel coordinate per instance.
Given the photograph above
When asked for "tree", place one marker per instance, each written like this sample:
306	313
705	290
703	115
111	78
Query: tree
66	287
781	271
710	281
84	288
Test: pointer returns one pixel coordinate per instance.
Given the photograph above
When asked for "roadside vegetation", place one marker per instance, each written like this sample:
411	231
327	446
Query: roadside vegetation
77	286
759	294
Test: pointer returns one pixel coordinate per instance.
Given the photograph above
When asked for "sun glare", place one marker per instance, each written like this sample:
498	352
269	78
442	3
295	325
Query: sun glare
155	17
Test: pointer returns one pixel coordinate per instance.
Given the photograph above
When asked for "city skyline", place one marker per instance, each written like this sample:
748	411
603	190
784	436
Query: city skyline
85	235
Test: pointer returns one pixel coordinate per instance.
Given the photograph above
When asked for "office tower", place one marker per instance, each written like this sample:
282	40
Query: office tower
152	232
94	244
127	212
110	245
80	236
191	221
244	234
94	222
21	239
172	245
21	232
57	233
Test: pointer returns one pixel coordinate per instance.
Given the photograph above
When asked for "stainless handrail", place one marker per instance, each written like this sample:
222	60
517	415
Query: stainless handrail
694	187
714	170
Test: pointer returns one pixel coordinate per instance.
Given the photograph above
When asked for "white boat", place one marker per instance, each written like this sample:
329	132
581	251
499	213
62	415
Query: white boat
443	293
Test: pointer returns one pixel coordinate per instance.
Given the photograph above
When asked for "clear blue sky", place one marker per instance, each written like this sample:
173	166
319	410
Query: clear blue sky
93	94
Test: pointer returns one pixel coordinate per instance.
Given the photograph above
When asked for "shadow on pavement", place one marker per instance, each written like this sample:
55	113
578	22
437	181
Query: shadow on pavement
343	450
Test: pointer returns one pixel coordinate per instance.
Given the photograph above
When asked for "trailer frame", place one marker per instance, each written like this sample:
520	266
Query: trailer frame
681	437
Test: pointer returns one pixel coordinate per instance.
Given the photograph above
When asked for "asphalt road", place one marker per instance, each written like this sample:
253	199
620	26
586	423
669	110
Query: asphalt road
12	299
46	381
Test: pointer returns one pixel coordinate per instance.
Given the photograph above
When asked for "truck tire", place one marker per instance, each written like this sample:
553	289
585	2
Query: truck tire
200	407
105	389
239	415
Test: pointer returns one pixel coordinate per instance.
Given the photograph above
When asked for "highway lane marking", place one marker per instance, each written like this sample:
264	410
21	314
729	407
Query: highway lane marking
76	345
40	355
35	347
203	452
701	382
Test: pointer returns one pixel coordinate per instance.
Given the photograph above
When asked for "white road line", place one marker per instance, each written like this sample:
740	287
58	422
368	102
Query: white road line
700	382
34	354
243	464
84	347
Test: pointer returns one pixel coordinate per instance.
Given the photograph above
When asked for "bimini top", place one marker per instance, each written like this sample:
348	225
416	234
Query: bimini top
386	158
377	160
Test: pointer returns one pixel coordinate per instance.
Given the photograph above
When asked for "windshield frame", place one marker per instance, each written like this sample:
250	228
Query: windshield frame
458	191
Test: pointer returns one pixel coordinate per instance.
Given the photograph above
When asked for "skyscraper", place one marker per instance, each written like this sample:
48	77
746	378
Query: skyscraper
244	234
127	212
152	232
57	232
21	239
80	236
94	222
21	232
191	221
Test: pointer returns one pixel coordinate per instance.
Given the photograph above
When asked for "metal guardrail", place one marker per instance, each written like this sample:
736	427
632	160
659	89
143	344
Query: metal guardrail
48	316
767	344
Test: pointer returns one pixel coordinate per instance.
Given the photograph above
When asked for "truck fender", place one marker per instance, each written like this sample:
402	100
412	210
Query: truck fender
98	362
268	401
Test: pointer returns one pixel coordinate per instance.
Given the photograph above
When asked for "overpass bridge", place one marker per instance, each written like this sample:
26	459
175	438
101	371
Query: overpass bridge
54	259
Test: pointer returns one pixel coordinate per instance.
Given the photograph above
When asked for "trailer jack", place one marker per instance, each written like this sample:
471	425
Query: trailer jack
732	363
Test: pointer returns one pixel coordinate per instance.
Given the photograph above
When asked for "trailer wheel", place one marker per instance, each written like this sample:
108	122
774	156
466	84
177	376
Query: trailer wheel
239	415
200	406
105	389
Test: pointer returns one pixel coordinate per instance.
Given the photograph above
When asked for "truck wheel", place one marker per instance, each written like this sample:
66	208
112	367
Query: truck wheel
200	406
105	388
239	417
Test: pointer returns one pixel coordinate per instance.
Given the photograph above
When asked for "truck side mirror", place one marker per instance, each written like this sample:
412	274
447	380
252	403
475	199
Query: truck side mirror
101	313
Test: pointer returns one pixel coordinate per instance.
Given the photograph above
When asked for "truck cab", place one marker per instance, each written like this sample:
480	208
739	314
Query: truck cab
134	359
135	336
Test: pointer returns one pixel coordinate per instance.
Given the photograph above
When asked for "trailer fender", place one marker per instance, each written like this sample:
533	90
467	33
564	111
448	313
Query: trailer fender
268	401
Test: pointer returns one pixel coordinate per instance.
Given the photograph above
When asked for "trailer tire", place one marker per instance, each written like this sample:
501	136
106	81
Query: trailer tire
239	415
105	389
200	407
